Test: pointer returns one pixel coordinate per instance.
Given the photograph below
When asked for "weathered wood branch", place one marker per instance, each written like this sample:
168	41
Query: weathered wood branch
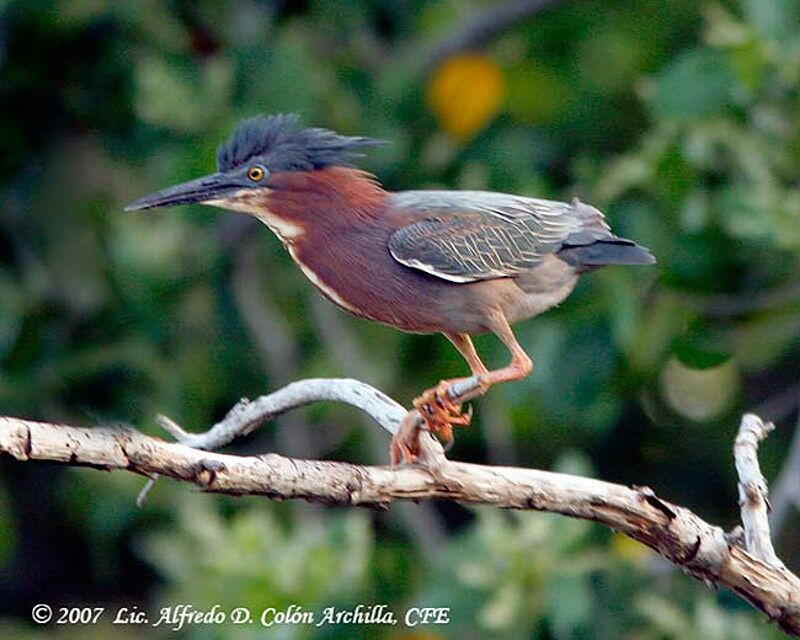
702	549
753	492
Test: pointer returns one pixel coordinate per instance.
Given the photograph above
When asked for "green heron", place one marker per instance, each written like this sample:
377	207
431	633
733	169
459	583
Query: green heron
455	262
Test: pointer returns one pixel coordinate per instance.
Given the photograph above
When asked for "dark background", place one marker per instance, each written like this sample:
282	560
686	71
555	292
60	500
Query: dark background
679	119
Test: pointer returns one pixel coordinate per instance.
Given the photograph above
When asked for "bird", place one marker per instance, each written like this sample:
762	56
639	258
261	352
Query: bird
459	263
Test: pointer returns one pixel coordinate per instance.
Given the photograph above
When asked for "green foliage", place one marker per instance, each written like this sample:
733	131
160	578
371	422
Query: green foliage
676	95
251	560
707	621
500	578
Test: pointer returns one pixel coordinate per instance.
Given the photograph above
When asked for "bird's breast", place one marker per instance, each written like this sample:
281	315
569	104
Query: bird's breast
286	230
354	269
314	274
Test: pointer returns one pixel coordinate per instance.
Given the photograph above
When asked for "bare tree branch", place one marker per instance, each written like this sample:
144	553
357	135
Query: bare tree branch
247	415
753	489
680	536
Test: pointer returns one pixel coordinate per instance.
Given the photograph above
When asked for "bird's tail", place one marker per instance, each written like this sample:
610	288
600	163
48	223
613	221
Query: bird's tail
613	250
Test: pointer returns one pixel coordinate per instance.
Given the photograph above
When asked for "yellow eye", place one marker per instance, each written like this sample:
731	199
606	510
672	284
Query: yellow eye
255	173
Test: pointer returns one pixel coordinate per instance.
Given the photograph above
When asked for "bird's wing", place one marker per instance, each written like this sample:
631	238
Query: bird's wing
465	236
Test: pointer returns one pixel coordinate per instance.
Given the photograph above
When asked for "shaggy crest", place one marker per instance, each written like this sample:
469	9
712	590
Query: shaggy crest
282	146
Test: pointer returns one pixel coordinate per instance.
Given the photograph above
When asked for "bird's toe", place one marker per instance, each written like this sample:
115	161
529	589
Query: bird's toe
405	445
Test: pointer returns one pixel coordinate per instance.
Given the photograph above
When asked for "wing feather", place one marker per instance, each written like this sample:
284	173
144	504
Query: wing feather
464	236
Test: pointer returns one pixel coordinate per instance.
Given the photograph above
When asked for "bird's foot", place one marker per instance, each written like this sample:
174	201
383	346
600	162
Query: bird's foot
405	445
411	446
436	404
440	413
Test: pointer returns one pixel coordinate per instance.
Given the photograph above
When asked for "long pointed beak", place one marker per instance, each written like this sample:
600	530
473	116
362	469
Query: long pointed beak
212	187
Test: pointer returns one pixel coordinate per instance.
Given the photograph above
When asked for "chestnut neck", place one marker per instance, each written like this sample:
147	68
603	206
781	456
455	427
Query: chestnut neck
333	197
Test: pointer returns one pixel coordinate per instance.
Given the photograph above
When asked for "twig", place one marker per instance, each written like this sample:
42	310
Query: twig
247	415
703	550
753	489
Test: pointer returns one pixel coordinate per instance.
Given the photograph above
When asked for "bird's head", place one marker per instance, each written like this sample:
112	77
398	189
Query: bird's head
250	162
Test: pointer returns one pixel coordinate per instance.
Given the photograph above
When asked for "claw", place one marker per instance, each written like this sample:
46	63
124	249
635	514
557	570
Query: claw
402	451
405	443
440	414
446	437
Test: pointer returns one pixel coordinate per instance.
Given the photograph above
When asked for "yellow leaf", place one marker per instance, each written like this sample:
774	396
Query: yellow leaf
465	93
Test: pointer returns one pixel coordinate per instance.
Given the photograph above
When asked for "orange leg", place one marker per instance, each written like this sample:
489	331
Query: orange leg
436	406
520	365
463	343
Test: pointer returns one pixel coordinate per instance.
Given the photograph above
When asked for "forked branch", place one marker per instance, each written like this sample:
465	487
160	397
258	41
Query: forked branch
702	549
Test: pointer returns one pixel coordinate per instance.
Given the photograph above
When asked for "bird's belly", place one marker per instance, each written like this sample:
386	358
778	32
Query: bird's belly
360	276
532	304
540	289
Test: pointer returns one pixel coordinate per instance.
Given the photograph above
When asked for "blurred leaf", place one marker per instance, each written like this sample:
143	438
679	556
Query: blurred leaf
765	337
465	93
536	95
504	567
182	99
611	60
569	604
253	561
574	462
773	18
706	621
700	394
700	348
699	84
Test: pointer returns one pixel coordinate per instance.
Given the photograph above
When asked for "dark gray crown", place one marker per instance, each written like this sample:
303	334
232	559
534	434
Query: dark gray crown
282	146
